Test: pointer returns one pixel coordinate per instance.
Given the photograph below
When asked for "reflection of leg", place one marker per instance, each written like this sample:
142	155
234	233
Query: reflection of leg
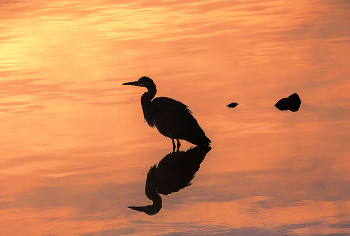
174	146
178	144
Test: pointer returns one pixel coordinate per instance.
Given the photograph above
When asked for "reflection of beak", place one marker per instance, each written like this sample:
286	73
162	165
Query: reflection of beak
149	210
135	83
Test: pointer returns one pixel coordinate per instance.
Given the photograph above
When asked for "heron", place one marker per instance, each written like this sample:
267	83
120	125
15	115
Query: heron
172	118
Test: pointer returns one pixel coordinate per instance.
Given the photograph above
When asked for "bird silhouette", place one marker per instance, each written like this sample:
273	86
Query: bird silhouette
172	118
173	173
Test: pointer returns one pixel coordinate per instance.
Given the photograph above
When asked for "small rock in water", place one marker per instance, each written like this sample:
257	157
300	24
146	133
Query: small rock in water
291	103
232	105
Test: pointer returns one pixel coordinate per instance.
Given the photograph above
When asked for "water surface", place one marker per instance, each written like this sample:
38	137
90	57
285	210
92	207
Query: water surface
75	150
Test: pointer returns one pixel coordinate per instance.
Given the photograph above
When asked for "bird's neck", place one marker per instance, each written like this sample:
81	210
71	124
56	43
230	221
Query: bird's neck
146	102
151	186
152	194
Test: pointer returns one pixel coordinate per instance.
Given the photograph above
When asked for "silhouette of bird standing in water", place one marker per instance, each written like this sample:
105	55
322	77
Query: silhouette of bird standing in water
172	118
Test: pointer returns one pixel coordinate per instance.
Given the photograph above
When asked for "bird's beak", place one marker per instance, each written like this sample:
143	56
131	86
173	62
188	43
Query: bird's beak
135	83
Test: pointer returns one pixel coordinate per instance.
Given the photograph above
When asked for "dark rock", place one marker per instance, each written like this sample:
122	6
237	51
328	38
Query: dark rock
232	105
291	103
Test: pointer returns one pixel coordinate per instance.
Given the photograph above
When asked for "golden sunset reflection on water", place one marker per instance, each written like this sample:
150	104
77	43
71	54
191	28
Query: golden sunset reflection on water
76	149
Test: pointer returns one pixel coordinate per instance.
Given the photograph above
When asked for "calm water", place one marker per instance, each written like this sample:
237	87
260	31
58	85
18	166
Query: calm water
75	150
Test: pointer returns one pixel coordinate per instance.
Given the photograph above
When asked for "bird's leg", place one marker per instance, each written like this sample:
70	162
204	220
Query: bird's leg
174	146
178	144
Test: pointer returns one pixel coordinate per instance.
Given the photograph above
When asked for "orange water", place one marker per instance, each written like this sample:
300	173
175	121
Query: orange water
75	150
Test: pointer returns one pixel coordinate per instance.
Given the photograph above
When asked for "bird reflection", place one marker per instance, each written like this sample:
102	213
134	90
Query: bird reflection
291	103
172	118
174	172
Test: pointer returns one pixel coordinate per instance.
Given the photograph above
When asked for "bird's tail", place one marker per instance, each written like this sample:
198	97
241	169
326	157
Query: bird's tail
206	141
203	139
199	141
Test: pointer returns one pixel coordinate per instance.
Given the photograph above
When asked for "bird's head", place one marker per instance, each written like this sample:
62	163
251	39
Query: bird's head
142	82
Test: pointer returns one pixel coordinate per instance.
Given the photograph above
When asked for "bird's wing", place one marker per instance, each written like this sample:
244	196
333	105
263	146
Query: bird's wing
172	118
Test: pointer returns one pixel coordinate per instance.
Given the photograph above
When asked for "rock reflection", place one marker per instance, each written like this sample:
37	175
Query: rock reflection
173	173
291	103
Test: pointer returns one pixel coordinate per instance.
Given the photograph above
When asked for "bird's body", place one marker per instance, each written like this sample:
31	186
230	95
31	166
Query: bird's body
172	118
